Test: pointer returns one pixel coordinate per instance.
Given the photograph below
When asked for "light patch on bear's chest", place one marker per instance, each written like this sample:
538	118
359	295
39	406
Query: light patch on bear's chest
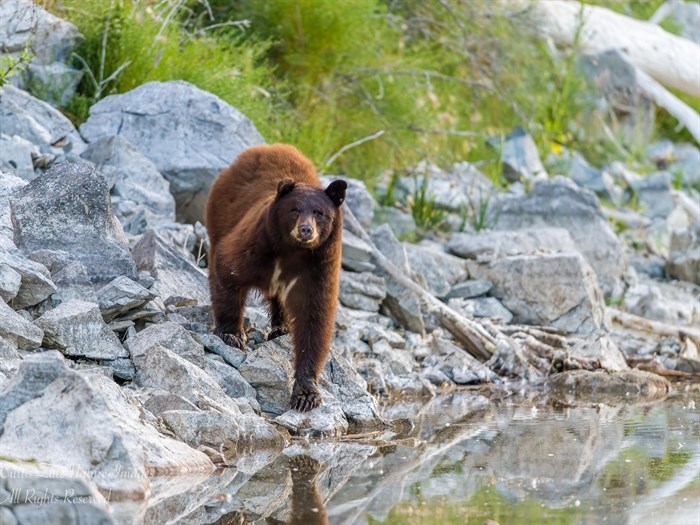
278	287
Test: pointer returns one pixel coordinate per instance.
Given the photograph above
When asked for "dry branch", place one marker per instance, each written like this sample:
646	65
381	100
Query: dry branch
640	324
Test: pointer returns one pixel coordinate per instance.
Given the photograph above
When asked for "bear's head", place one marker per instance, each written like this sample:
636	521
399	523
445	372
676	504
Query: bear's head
305	215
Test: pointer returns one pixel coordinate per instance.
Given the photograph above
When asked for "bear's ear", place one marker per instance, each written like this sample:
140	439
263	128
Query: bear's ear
285	186
336	191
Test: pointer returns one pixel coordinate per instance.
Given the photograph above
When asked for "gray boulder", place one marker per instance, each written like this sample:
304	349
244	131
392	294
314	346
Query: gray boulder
457	365
87	423
190	135
121	295
325	420
519	156
76	328
653	195
489	307
403	304
16	156
8	184
470	289
684	254
436	270
35	282
136	185
68	208
490	244
10	281
174	272
171	336
401	222
574	165
68	274
463	187
38	122
556	290
51	42
361	291
620	101
560	203
16	329
356	254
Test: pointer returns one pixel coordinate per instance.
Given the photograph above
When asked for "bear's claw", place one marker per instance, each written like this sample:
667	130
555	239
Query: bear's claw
236	340
305	398
277	331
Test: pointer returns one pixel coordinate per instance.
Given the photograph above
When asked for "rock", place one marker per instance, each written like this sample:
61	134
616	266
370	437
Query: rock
372	372
463	187
470	289
560	203
356	253
558	290
230	354
68	208
10	282
669	302
19	331
87	425
574	165
489	307
38	122
686	163
401	222
519	156
403	304
190	135
323	421
268	367
171	336
174	273
35	280
485	245
653	195
134	181
622	104
8	184
204	428
632	384
16	156
50	41
70	277
357	198
120	296
684	254
231	381
362	291
437	270
456	364
685	16
159	368
602	349
77	329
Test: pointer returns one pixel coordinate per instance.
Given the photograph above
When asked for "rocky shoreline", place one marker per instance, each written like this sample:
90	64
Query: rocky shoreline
108	364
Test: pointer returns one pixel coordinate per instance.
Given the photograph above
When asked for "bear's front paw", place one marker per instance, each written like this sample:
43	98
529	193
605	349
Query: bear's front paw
236	340
305	397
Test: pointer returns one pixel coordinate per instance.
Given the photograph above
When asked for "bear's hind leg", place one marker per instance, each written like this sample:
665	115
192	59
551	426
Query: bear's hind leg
228	305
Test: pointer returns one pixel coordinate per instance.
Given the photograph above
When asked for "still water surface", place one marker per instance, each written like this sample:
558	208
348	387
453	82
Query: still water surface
469	460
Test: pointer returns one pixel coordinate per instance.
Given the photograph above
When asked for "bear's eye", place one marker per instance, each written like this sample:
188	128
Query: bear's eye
295	210
318	212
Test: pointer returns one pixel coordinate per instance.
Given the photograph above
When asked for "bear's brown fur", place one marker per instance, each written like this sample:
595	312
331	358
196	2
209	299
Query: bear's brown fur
271	227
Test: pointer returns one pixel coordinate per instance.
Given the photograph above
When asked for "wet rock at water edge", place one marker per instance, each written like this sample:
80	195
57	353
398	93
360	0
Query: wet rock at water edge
159	118
68	208
76	328
88	423
625	384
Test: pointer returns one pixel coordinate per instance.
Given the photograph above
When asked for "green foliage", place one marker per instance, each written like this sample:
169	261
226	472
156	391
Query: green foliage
127	44
426	213
11	65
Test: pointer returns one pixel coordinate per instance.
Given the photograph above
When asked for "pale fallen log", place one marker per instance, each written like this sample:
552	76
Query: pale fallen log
640	324
669	59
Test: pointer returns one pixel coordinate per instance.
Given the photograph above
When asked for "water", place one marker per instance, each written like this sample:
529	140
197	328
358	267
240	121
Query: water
469	460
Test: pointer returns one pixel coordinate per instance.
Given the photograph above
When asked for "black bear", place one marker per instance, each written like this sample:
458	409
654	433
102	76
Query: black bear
271	227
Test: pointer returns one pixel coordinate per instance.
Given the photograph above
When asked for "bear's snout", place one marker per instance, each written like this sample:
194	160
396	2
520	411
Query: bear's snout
306	231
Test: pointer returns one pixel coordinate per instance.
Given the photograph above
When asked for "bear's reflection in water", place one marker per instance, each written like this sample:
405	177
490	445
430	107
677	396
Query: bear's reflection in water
306	503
